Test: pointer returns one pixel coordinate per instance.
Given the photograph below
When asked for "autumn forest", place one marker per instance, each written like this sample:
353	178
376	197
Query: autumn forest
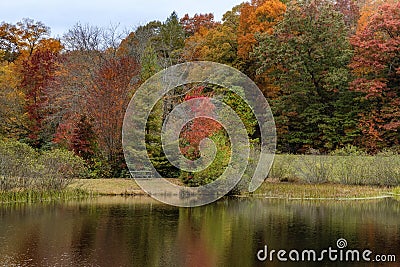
330	71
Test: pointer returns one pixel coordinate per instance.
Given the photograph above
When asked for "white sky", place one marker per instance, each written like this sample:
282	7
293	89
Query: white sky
61	15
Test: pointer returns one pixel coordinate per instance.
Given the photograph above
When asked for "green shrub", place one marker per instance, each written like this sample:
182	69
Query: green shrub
348	150
367	170
283	168
382	169
21	167
314	168
17	165
216	168
387	169
243	185
99	168
349	169
60	166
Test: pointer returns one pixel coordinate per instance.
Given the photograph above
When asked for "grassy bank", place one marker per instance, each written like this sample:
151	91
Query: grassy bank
117	186
269	188
32	196
325	191
87	188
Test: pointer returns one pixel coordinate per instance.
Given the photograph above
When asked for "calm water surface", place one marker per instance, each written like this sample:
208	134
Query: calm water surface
117	231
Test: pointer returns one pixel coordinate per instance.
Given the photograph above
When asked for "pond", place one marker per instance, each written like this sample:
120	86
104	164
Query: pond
118	231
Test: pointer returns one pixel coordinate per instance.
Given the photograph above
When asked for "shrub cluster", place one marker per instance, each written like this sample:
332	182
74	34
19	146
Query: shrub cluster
22	167
382	169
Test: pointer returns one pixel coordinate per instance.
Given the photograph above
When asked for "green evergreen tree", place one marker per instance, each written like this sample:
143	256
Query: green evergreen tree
171	40
149	63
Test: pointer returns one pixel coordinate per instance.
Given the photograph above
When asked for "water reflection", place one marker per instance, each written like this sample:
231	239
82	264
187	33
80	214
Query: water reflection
116	231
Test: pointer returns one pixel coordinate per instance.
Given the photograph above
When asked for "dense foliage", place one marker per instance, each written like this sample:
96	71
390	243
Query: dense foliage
329	69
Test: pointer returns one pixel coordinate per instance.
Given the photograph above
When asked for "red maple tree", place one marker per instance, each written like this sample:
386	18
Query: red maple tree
38	72
202	126
376	64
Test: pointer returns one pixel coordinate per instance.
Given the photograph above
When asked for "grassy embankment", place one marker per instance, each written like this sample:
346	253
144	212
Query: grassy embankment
292	176
301	176
270	188
32	196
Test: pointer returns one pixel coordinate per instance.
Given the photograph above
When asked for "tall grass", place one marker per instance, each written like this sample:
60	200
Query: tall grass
32	196
382	169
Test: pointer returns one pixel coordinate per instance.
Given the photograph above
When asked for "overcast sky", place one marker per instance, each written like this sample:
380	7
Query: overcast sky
61	15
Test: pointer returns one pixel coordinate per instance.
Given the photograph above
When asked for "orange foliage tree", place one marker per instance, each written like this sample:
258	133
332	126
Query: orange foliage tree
191	25
107	102
259	16
218	44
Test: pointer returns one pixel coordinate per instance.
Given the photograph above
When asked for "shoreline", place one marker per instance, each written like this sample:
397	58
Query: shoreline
270	189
